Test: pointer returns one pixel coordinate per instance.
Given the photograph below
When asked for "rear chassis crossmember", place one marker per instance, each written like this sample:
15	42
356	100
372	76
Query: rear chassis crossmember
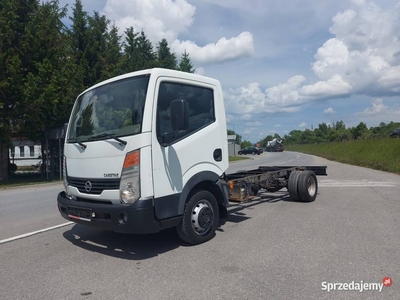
244	185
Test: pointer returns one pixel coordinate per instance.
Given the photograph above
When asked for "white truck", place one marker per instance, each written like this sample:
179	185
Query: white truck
148	150
276	145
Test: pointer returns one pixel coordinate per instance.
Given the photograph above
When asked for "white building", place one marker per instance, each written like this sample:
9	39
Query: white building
233	148
25	153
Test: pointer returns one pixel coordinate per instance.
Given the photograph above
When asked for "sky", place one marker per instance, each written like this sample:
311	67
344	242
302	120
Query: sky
283	65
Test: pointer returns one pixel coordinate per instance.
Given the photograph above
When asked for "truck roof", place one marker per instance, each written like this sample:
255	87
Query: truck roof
159	72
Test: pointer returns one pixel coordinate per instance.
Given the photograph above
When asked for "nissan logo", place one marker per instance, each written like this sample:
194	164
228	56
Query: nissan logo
88	186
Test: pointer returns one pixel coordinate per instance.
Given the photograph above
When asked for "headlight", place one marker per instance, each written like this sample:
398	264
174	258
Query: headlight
65	179
130	185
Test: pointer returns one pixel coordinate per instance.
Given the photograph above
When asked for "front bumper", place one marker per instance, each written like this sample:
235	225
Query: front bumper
136	218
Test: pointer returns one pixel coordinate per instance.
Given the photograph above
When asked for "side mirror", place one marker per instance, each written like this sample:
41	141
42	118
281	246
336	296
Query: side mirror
179	114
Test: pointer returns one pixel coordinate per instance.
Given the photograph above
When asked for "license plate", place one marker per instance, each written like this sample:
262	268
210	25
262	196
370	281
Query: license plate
84	214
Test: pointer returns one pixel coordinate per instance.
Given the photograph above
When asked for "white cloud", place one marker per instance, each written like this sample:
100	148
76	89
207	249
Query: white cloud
303	125
168	19
329	111
229	118
364	50
248	130
286	93
378	109
278	125
222	50
246	117
199	71
362	57
251	99
334	86
255	123
159	19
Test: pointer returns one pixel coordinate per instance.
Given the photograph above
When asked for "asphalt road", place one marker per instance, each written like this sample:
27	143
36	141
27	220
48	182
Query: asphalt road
270	248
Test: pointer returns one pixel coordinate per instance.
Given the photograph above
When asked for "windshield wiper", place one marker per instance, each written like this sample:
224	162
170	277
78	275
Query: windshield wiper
108	135
75	141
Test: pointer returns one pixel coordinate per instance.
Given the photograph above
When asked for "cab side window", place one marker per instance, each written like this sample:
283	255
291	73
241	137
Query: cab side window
201	109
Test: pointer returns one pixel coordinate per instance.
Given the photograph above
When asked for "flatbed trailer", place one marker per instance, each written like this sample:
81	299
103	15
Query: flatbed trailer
300	181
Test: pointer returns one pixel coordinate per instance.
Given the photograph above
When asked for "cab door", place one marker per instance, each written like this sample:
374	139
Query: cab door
178	156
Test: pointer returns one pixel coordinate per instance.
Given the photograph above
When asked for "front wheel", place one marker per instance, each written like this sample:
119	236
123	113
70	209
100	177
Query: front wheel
200	218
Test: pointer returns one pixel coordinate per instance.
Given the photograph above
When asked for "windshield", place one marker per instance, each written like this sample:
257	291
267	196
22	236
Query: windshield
112	109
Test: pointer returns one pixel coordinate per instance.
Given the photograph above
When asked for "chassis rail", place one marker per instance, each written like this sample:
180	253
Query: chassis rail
244	185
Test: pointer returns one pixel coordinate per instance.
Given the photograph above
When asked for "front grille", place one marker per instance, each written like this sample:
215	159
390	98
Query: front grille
97	185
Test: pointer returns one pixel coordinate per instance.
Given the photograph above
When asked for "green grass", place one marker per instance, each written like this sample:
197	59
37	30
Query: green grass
237	158
380	154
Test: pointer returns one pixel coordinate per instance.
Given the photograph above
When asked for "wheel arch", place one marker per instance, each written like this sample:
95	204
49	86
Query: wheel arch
208	181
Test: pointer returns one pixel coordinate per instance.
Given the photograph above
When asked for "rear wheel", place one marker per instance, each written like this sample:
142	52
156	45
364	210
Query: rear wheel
307	186
200	218
292	185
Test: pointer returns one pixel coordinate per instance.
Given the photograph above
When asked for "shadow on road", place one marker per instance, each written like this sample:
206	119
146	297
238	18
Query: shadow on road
124	246
236	212
140	247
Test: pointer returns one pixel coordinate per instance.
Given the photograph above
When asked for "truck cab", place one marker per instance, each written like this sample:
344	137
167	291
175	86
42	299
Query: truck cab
146	151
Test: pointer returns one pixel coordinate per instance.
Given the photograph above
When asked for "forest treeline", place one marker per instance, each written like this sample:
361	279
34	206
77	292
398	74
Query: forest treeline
325	133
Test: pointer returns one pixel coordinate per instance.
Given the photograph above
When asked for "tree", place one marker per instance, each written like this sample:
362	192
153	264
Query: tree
294	137
49	89
131	51
238	136
77	37
146	51
14	65
112	54
359	130
245	144
264	141
95	50
308	137
165	58
185	64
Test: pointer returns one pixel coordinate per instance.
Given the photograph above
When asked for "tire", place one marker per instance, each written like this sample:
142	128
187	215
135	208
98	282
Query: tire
253	153
293	184
200	218
307	186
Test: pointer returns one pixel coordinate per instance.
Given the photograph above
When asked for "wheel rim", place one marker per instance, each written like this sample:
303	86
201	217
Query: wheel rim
202	217
312	186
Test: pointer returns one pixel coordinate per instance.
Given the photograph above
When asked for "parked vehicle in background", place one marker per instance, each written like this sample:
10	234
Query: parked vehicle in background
395	133
250	150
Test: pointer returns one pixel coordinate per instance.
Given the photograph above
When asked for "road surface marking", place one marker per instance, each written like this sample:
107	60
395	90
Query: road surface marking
355	183
33	233
297	156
